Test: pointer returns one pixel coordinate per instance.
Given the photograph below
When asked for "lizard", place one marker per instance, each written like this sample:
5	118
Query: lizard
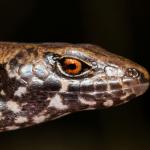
44	81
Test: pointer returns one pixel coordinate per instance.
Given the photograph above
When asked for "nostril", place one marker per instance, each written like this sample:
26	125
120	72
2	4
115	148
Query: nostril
132	72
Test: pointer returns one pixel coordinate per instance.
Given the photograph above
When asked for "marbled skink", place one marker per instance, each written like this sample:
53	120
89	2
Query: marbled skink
41	82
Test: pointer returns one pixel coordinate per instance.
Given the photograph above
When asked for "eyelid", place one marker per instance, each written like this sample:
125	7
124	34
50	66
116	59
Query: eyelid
81	60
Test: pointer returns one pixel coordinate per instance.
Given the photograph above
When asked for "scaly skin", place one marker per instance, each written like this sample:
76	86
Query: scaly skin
34	88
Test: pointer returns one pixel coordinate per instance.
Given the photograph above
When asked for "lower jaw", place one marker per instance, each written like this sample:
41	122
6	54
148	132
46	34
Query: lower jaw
141	88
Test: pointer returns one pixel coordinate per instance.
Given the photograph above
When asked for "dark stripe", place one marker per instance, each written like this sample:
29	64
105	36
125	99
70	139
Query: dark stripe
74	87
115	85
52	84
69	96
103	96
86	86
88	97
100	85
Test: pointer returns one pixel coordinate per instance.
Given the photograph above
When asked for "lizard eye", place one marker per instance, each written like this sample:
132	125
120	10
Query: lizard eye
73	67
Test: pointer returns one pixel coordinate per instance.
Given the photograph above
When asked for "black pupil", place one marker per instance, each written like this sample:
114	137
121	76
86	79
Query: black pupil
71	66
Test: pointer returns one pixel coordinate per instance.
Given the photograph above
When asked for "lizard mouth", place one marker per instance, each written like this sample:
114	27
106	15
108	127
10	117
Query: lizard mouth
140	88
144	82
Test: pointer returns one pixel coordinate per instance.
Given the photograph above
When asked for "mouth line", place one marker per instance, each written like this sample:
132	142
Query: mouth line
142	85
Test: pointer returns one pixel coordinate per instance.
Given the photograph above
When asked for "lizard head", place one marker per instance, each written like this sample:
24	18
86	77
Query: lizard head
93	77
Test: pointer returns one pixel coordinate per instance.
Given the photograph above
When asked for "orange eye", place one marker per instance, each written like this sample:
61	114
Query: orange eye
72	66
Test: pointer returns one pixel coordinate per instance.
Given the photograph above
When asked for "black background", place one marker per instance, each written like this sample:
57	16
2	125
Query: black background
123	27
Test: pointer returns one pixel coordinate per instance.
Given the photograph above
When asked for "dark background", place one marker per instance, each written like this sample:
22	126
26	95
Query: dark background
123	27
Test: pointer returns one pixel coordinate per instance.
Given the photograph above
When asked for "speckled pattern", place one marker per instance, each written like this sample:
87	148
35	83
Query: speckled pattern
34	88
